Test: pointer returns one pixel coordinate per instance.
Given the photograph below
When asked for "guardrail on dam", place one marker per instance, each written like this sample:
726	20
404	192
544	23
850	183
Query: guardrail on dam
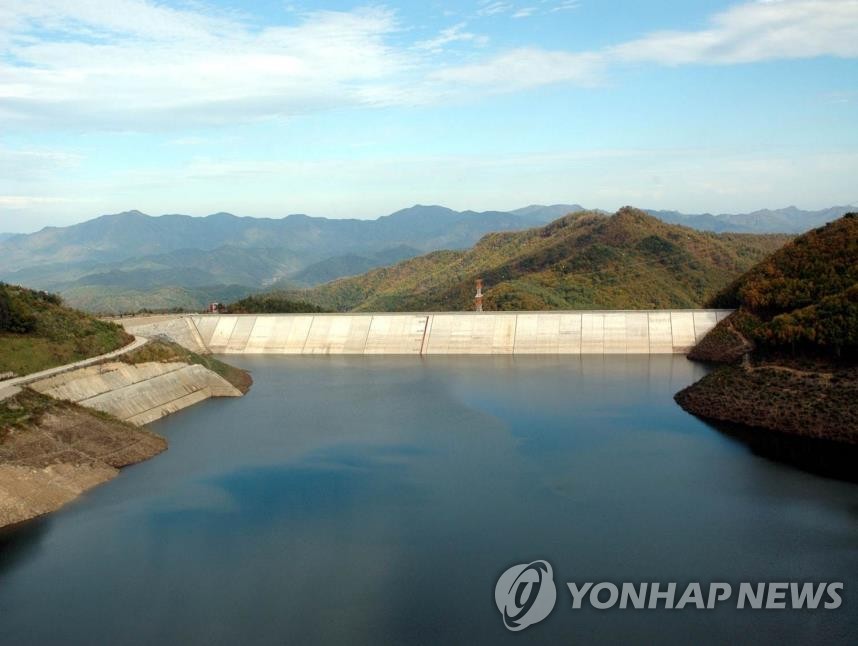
557	332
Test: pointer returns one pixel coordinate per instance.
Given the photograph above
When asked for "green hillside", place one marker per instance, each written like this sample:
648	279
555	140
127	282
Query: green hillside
37	331
583	260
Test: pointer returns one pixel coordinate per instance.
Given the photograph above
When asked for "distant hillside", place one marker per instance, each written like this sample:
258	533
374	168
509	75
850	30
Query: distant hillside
110	300
129	235
796	327
38	332
347	265
540	214
584	260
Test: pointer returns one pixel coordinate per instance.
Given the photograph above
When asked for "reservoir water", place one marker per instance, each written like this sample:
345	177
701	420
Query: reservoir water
377	500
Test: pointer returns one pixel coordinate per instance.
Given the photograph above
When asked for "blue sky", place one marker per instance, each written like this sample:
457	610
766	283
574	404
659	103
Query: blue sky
356	110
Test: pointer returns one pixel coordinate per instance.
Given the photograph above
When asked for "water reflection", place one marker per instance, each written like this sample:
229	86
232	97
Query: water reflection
822	457
19	541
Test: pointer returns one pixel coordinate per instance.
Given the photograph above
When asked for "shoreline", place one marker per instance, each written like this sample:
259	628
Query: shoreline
770	397
73	427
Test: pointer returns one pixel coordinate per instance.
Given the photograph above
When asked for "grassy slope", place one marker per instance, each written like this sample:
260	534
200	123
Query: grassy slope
797	321
48	334
585	260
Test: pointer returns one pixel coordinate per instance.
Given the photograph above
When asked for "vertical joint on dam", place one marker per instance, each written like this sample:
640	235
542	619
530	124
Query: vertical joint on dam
478	298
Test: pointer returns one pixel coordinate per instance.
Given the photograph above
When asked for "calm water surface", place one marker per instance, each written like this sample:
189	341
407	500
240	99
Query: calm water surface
377	500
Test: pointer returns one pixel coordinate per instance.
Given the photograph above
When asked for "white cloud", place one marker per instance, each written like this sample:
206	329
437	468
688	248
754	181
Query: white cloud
566	5
524	12
493	7
139	65
757	31
92	18
523	68
496	7
453	34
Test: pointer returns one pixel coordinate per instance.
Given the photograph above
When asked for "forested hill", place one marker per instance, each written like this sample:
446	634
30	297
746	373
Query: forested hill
583	260
803	297
37	331
796	334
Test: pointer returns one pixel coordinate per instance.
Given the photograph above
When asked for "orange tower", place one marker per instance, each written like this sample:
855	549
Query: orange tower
478	299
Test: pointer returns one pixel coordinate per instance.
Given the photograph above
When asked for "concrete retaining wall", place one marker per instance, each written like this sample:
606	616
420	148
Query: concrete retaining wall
138	394
592	332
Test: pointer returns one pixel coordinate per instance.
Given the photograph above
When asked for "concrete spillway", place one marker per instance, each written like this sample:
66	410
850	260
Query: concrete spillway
591	332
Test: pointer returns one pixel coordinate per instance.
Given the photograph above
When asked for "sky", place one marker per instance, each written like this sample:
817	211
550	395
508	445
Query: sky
339	109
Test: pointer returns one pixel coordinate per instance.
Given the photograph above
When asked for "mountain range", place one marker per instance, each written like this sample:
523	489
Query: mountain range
787	220
585	260
127	261
131	260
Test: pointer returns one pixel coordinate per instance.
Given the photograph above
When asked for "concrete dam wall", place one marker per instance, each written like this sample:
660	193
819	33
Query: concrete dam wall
138	394
560	332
